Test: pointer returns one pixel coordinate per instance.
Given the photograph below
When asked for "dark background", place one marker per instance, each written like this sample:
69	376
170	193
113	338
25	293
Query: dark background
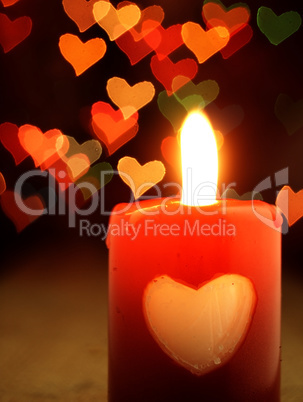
39	87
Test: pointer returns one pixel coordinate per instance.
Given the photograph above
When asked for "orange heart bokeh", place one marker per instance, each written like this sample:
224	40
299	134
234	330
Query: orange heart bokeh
129	98
116	21
43	148
7	3
234	19
81	12
81	55
291	204
204	44
111	127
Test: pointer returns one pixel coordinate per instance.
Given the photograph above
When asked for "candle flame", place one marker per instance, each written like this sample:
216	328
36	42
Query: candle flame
199	161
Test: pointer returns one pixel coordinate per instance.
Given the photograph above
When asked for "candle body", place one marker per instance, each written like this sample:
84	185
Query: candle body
192	249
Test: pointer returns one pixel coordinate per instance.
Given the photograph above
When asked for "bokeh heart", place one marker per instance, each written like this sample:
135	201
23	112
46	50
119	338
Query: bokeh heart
233	18
204	44
2	184
173	75
13	32
225	119
81	12
278	28
151	17
78	158
193	96
7	3
237	41
291	204
81	55
140	178
116	21
178	318
95	179
43	148
165	41
10	140
171	109
111	127
135	50
290	113
129	98
21	211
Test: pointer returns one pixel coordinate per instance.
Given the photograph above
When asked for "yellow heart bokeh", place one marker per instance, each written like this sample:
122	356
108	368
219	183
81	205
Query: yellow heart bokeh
140	178
116	21
129	98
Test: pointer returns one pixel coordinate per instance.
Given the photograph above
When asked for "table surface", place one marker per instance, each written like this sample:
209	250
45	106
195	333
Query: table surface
53	332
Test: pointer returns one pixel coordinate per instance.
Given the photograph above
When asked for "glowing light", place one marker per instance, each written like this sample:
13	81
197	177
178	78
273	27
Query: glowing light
199	161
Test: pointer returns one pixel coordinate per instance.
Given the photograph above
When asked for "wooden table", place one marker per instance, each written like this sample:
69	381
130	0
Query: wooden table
53	332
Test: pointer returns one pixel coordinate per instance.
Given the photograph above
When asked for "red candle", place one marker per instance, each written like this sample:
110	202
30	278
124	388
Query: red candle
194	293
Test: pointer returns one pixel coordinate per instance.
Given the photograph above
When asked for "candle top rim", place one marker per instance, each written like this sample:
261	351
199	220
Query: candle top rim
171	204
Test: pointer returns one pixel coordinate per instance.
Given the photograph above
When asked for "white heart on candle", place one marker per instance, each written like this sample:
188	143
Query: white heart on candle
200	329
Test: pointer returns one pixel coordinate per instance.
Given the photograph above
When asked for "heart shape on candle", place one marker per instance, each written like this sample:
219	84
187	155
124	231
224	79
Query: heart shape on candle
43	148
116	22
204	44
9	139
21	219
233	18
2	184
173	75
81	55
111	128
277	28
81	12
140	178
200	329
13	32
291	204
290	113
129	98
